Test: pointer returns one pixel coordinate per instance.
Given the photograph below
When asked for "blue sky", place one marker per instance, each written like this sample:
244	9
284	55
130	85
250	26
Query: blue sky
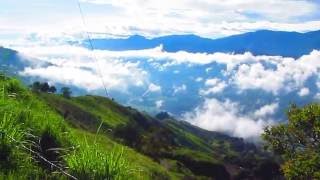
210	18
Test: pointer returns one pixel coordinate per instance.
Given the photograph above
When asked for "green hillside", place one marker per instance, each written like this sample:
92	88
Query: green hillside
28	124
93	137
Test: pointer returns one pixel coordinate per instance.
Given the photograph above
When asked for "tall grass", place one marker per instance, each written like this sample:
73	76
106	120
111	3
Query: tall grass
10	132
14	160
10	135
90	162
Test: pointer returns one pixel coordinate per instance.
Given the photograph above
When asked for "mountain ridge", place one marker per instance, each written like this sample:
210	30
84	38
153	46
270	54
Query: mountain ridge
261	42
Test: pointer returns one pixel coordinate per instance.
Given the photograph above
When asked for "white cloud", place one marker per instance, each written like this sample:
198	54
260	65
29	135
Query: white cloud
208	69
208	18
159	104
257	77
154	88
214	10
177	89
266	110
82	68
318	84
288	74
304	92
199	79
224	116
213	86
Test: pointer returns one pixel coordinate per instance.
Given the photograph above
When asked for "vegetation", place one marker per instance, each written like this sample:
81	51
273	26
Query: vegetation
163	115
91	162
33	138
91	137
298	142
43	87
66	92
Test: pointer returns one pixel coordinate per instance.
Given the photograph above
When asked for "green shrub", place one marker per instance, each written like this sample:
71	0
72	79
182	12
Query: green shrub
297	142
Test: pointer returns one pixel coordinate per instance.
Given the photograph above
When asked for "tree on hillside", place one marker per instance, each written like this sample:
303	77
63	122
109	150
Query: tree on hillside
163	115
44	87
66	92
298	142
35	87
52	89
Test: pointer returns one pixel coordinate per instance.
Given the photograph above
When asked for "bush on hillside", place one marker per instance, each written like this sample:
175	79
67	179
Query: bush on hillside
298	142
43	87
66	92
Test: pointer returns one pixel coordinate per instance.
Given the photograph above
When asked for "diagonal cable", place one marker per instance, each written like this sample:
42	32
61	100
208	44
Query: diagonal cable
92	47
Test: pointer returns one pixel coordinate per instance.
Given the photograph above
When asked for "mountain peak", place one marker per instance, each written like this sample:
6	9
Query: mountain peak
136	37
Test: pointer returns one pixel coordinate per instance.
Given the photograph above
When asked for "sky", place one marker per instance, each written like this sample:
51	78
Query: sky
209	18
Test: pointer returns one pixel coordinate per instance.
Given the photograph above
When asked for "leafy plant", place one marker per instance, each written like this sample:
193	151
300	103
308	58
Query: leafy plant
298	142
66	92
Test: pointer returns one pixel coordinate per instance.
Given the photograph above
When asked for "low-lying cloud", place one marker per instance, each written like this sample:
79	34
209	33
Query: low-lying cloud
266	110
224	116
288	74
83	68
304	92
213	86
273	75
178	89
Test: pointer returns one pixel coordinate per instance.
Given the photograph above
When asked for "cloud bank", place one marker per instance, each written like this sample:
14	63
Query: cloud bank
224	116
83	68
274	75
242	71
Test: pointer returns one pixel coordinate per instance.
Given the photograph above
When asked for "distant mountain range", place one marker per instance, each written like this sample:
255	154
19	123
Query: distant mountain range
263	42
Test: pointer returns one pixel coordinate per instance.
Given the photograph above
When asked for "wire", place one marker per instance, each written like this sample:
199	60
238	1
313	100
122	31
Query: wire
43	158
92	47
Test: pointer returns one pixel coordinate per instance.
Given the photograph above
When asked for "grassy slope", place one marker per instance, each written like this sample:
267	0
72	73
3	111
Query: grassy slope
93	110
22	114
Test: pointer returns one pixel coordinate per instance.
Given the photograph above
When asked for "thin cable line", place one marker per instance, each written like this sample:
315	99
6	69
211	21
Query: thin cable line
92	48
43	158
